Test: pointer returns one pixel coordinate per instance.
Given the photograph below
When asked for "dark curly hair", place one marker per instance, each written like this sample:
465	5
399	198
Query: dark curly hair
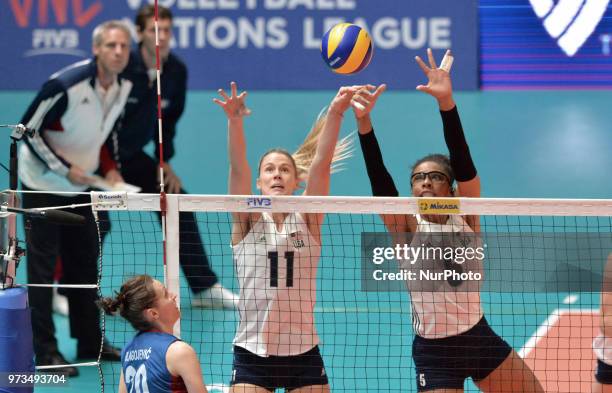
440	159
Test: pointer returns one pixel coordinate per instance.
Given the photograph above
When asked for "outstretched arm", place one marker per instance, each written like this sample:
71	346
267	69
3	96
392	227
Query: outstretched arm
240	172
440	87
380	179
235	110
320	170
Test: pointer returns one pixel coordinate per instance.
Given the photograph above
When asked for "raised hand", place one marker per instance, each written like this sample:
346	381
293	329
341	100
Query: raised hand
365	98
439	82
342	100
234	105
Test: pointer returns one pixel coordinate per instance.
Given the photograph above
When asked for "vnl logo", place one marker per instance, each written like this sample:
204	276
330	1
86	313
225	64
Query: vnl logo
570	22
69	16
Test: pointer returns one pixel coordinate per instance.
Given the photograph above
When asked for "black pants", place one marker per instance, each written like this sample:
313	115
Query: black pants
142	171
78	248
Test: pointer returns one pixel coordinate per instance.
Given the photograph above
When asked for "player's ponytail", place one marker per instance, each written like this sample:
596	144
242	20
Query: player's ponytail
136	295
109	304
305	154
302	158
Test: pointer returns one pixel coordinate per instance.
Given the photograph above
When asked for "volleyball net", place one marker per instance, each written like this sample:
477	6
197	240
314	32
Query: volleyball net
537	265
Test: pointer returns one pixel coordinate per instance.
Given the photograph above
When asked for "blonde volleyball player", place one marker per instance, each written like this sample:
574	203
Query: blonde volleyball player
155	361
453	340
277	255
602	345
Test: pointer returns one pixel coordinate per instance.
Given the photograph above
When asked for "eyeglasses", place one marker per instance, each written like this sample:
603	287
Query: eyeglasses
434	176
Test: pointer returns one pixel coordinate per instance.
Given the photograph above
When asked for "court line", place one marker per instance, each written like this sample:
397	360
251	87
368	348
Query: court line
218	387
548	324
570	299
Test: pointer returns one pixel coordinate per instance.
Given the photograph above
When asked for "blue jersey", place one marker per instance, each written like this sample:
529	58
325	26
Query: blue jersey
143	362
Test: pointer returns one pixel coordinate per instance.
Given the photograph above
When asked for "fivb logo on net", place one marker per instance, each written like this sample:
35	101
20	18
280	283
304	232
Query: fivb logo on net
570	22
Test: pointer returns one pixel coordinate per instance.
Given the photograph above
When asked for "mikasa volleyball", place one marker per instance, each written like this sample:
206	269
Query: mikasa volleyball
346	48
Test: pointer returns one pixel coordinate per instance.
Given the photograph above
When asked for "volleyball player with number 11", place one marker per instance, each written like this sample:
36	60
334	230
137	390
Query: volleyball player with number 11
276	255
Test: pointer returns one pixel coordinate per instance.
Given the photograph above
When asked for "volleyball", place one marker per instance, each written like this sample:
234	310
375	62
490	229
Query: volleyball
346	48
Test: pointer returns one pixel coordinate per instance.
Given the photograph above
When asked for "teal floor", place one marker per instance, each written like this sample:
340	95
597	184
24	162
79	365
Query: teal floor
366	348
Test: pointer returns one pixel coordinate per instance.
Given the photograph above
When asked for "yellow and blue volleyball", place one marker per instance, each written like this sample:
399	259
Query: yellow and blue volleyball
346	48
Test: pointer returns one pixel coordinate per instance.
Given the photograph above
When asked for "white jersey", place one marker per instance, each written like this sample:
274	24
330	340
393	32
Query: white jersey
71	121
602	346
277	274
441	309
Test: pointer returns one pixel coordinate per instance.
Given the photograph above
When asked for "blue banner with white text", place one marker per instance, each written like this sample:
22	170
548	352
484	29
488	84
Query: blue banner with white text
261	44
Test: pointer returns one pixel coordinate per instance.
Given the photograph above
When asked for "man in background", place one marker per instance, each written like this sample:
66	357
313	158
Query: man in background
139	127
72	115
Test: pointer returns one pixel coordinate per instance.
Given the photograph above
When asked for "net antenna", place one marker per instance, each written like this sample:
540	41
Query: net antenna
163	201
162	191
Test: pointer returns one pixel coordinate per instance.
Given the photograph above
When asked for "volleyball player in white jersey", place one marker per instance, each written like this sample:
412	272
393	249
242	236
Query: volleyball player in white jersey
277	255
602	344
453	340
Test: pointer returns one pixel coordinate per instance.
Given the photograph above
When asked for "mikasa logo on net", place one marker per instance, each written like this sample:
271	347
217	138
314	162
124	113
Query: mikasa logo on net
571	22
438	206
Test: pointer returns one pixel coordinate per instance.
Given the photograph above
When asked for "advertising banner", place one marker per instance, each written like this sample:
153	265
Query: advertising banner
262	44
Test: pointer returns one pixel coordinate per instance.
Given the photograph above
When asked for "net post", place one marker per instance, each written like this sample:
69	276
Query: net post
172	251
9	250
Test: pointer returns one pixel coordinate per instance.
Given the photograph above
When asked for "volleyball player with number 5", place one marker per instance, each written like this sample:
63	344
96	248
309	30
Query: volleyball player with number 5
453	340
277	254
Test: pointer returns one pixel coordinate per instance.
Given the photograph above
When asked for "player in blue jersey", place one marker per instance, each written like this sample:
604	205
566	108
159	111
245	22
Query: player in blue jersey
155	361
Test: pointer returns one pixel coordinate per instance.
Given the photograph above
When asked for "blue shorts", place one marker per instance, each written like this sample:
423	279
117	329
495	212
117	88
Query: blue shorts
277	372
446	363
603	374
